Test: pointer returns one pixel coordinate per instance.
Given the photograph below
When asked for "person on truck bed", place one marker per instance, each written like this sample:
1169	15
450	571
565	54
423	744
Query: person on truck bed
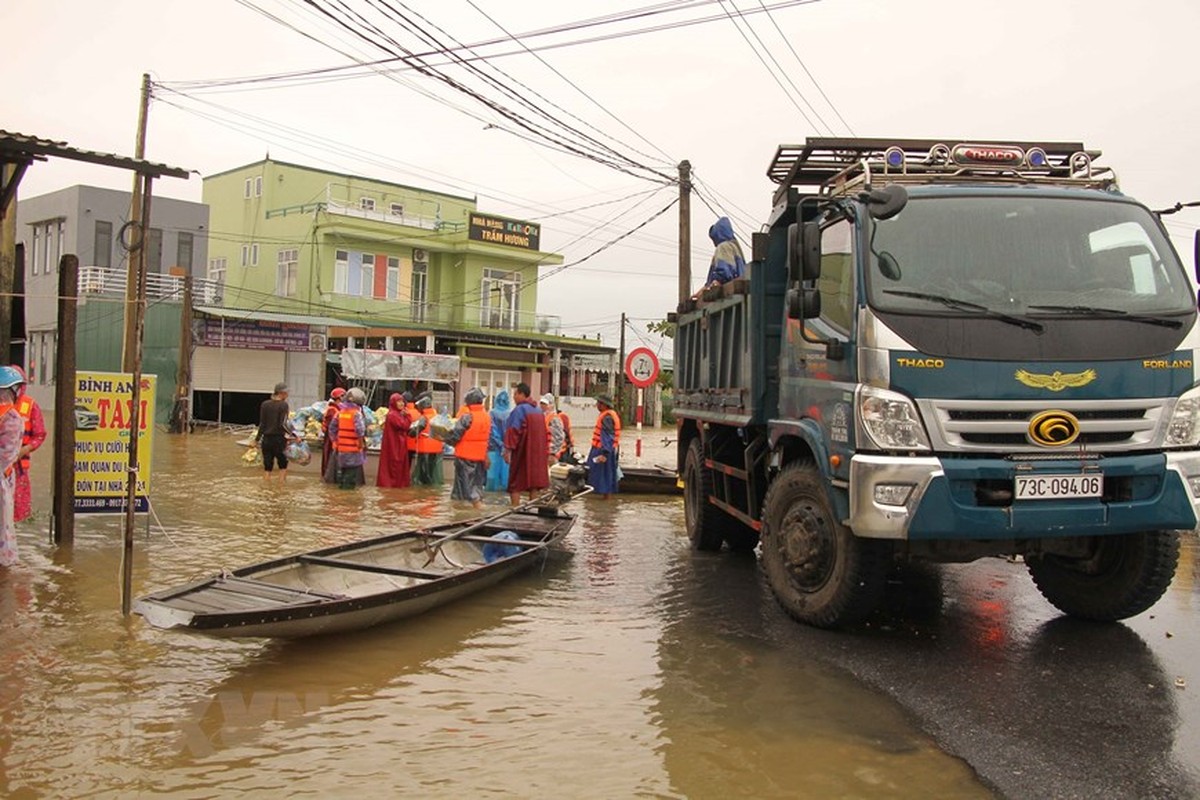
727	262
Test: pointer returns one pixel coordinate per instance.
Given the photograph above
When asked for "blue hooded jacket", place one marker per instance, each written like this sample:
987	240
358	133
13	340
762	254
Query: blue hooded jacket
501	408
727	262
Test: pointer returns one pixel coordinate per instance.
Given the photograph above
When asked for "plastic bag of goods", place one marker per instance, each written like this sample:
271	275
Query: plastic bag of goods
298	452
252	456
440	426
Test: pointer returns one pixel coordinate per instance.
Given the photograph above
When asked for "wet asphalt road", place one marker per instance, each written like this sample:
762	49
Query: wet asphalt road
1039	705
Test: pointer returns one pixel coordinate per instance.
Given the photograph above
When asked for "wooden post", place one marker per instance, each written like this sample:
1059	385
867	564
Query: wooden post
135	417
181	414
139	233
685	230
63	511
8	262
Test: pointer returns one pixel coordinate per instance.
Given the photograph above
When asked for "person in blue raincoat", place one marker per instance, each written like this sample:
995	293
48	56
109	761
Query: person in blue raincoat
727	262
497	474
603	471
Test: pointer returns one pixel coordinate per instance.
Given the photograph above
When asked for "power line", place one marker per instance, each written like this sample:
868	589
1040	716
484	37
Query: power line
804	66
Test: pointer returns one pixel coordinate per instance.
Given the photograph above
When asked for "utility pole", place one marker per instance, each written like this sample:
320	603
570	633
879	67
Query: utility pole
137	232
685	231
8	261
620	398
181	413
63	511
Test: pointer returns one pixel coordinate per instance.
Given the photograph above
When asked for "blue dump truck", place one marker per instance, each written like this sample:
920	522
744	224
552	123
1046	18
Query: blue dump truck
945	351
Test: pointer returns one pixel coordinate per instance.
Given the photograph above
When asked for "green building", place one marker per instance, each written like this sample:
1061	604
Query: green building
367	264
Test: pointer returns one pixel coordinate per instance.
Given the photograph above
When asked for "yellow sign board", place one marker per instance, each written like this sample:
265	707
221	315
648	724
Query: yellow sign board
103	410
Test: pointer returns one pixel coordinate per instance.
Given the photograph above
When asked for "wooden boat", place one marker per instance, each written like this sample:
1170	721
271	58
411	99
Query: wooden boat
360	584
649	480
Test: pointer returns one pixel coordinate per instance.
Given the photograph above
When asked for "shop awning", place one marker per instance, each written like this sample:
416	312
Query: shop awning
275	316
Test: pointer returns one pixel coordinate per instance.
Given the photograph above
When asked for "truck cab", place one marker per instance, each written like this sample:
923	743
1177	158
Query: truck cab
945	351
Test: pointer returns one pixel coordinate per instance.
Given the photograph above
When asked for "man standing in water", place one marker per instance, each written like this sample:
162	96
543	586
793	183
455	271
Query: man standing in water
469	438
526	447
274	429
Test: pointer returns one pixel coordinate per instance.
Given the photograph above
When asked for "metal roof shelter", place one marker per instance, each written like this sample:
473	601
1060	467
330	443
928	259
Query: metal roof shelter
21	150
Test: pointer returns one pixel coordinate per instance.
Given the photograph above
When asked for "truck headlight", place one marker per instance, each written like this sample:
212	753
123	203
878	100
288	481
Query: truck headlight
1184	428
890	420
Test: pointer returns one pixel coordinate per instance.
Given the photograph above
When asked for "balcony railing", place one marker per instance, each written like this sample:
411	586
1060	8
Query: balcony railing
348	201
168	288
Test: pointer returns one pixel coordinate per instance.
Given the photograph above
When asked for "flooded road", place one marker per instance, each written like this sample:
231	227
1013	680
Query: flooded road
628	666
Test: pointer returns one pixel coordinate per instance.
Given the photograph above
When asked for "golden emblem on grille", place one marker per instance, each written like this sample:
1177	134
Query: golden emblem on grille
1056	381
1053	428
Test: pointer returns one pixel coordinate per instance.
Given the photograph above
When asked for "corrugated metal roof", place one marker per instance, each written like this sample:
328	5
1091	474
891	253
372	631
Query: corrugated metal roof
24	148
273	316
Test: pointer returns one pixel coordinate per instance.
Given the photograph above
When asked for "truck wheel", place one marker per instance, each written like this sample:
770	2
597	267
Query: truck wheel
1126	575
820	572
706	524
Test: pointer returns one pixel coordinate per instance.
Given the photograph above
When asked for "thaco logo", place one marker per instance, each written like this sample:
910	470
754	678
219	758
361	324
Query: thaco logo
1054	428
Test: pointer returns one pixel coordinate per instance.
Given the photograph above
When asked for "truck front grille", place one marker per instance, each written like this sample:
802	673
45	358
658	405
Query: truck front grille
982	425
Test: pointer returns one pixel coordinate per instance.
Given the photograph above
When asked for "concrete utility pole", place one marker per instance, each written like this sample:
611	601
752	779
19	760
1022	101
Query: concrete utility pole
63	506
620	387
181	413
8	264
137	233
685	231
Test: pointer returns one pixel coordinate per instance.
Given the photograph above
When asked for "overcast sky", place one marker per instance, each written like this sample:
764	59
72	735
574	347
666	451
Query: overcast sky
1119	76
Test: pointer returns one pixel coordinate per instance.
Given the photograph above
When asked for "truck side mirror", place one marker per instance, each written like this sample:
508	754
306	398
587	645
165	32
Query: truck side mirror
803	304
887	202
1196	254
804	251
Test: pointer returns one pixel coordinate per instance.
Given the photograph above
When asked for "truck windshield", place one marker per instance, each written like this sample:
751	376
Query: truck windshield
1029	256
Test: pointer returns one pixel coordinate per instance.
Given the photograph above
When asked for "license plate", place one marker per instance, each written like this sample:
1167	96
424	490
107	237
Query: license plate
1053	487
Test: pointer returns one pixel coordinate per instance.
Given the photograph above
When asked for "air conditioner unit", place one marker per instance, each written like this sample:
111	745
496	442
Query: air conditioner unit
317	342
543	325
420	256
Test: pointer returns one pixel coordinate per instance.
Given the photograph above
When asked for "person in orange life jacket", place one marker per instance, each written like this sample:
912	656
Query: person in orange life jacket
348	429
274	429
410	408
606	450
12	431
555	438
427	468
331	409
35	434
470	441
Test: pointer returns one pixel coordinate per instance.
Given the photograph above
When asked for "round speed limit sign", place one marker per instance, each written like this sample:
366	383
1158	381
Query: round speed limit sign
641	367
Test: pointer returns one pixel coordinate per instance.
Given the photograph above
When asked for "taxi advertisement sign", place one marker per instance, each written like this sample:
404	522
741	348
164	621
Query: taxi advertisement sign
103	406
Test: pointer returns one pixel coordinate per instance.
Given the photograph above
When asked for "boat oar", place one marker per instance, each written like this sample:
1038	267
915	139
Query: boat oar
436	544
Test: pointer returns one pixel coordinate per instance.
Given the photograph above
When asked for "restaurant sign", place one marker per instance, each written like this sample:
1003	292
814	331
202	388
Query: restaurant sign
510	232
250	334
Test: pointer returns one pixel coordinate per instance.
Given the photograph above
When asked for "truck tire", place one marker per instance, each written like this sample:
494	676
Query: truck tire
706	524
820	572
1127	575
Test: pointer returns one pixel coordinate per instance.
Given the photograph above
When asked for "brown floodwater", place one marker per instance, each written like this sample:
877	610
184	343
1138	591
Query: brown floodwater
627	666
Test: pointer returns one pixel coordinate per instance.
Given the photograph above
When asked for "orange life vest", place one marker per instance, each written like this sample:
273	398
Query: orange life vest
413	416
25	409
566	426
473	445
616	429
425	442
348	440
4	409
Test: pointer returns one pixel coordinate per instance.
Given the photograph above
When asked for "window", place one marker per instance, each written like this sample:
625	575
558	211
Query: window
836	283
245	255
42	359
183	252
420	280
62	235
216	270
35	250
341	271
368	275
254	255
246	193
102	247
31	371
154	252
258	186
366	203
393	278
396	209
287	272
500	294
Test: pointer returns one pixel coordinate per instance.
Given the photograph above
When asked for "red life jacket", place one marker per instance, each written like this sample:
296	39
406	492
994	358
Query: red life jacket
473	445
348	440
616	429
25	409
425	442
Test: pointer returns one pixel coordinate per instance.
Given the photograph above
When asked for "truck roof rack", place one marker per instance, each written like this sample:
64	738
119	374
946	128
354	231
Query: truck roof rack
837	165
